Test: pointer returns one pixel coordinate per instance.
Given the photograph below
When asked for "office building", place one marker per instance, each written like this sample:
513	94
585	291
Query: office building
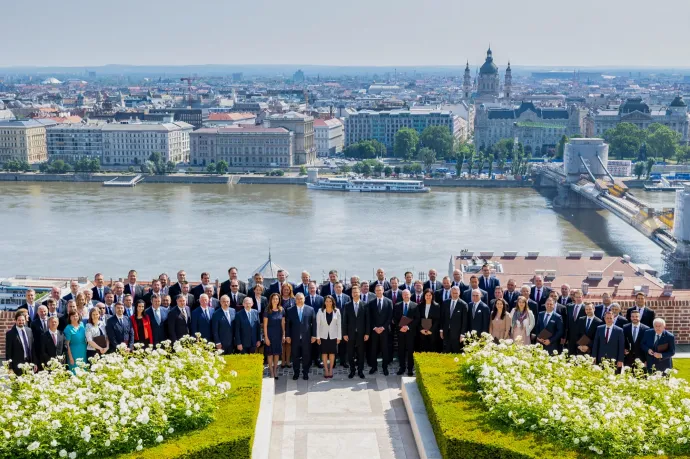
243	146
133	143
72	142
303	127
329	137
193	116
23	141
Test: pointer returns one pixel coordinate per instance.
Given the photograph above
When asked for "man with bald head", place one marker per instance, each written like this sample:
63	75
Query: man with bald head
59	302
201	318
539	293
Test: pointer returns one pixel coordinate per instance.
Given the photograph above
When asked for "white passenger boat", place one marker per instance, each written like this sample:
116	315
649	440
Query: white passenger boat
369	185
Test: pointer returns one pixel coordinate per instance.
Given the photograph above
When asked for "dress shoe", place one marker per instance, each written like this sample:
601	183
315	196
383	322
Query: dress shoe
400	372
305	377
361	375
385	372
351	375
372	371
345	365
295	377
319	364
409	373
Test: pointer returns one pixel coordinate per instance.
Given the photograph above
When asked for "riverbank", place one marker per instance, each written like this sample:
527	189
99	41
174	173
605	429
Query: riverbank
235	179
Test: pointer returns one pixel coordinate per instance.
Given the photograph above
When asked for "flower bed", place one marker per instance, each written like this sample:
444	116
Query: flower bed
124	402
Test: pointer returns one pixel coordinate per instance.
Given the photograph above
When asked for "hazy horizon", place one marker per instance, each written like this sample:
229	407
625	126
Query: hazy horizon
366	33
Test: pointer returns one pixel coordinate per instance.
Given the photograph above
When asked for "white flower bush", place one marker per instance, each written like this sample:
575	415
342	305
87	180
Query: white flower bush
570	401
123	402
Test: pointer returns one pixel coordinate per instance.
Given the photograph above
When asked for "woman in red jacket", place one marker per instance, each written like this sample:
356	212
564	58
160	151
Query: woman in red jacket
141	325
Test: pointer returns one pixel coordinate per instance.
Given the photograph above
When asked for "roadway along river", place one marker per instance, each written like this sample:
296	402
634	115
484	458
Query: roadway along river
71	229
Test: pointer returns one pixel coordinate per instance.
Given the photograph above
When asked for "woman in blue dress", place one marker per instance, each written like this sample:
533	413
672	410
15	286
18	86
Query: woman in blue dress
274	333
287	299
75	340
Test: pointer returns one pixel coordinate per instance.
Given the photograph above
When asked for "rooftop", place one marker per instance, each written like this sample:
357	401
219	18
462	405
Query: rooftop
224	116
158	127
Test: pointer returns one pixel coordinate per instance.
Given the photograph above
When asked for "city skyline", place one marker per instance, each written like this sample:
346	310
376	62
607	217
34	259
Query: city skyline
615	33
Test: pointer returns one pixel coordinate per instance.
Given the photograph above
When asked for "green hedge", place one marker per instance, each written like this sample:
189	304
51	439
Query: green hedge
460	422
231	434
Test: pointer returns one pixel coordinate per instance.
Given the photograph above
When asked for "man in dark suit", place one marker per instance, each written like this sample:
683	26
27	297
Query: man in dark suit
417	292
179	320
39	326
329	287
406	333
201	318
313	299
304	286
341	299
60	304
381	315
277	286
573	312
232	275
432	283
74	289
604	307
660	347
487	282
222	326
132	288
474	285
213	303
52	343
565	297
478	313
444	294
300	331
19	343
247	328
633	333
454	323
157	316
156	289
394	293
618	319
380	279
408	282
236	298
498	295
511	294
356	328
354	280
586	325
30	304
199	290
176	288
457	281
553	322
609	342
539	293
119	329
647	315
100	289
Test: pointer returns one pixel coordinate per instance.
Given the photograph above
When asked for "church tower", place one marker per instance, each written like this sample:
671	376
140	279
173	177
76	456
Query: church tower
488	84
467	82
508	86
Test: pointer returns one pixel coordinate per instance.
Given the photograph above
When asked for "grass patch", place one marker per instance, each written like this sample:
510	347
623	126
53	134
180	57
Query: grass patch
683	367
231	433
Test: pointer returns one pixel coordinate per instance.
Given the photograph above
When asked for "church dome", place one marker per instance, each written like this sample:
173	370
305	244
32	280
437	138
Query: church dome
489	68
678	102
634	104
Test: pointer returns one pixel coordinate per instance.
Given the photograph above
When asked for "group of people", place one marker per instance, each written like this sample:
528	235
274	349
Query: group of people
299	324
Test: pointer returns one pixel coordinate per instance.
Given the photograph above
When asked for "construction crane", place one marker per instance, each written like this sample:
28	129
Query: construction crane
189	88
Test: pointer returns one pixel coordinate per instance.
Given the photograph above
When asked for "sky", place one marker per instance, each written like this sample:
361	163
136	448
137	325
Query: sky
561	33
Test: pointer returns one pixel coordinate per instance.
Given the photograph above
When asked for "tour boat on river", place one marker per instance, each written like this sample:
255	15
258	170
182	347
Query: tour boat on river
369	185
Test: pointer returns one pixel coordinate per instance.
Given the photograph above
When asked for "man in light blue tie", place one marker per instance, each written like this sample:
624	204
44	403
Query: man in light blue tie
300	331
247	331
201	318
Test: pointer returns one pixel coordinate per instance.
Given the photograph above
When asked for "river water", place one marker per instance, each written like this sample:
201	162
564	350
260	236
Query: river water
76	229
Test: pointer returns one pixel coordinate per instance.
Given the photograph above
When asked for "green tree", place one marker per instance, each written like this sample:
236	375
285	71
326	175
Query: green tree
416	168
357	168
345	168
458	167
302	170
397	170
148	167
94	165
130	169
378	168
211	168
650	165
639	169
439	139
427	156
170	167
388	171
662	141
560	150
366	169
683	154
625	140
405	143
407	168
280	172
221	167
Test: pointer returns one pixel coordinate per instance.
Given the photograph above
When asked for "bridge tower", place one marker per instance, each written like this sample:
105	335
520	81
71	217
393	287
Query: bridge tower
678	262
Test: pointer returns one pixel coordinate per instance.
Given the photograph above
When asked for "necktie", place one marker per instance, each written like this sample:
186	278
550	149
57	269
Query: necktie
299	310
227	315
589	322
538	295
54	339
157	313
546	319
405	309
607	334
380	306
452	307
100	293
27	351
433	286
356	308
184	314
43	325
234	298
312	301
656	339
474	309
634	333
576	310
208	317
250	316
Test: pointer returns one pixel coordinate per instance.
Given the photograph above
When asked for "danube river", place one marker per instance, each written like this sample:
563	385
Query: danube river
76	229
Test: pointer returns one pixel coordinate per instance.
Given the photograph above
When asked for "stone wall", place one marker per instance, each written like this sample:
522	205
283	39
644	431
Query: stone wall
478	183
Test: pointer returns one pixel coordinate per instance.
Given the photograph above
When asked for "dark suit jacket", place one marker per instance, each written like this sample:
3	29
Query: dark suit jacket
398	296
413	297
176	325
583	330
49	349
489	286
14	350
381	318
306	328
149	294
545	291
68	297
571	326
255	305
599	311
237	305
356	326
202	324
225	287
467	297
565	300
647	317
413	313
158	331
174	290
385	283
275	288
318	301
37	329
461	285
611	349
454	325
438	296
198	290
555	326
434	315
32	314
223	332
247	334
481	320
438	285
511	298
340	305
137	294
301	288
97	297
119	332
620	321
666	360
634	347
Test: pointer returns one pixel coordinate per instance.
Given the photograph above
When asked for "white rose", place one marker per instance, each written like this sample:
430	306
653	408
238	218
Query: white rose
159	438
33	446
72	455
63	453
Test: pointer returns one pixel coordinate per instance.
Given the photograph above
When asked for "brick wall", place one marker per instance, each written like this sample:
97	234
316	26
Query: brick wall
6	322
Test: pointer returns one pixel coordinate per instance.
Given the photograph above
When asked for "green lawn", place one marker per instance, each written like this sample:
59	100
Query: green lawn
231	434
683	367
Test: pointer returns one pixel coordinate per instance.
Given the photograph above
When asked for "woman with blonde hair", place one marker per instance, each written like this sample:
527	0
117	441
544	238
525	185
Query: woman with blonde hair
328	334
287	298
522	321
82	308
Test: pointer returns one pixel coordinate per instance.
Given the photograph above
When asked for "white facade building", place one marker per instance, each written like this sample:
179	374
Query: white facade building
329	136
133	143
243	146
637	112
620	167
